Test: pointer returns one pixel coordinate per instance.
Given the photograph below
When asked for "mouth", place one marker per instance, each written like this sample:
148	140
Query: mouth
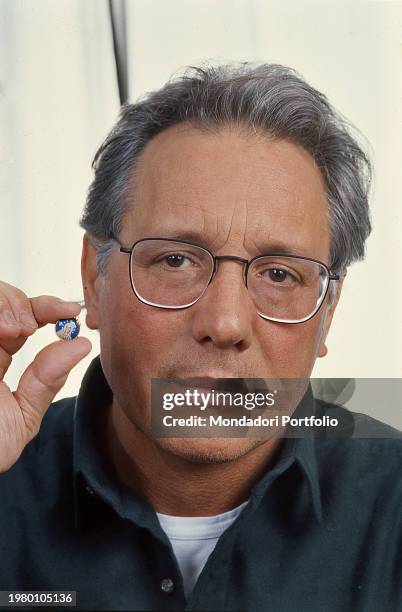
226	384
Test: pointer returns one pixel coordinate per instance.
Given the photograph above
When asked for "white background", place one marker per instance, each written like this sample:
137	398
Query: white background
59	98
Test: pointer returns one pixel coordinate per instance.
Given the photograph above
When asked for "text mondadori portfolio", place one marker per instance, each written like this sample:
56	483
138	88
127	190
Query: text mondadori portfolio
244	421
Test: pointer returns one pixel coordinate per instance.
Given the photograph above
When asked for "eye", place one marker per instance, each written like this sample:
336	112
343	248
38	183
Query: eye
174	260
277	275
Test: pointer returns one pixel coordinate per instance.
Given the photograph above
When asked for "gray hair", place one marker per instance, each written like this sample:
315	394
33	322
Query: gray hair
266	98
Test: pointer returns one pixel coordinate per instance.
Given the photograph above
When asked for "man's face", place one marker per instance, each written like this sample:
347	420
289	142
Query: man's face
241	195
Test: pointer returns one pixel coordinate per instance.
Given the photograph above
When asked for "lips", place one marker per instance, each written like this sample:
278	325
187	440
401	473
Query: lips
227	384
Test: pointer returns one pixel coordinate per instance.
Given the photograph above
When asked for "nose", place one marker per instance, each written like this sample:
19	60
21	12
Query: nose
224	314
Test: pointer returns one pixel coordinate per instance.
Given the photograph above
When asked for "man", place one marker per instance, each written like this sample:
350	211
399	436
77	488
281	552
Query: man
223	214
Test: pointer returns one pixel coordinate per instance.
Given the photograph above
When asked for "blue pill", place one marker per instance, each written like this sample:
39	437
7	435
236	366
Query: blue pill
67	329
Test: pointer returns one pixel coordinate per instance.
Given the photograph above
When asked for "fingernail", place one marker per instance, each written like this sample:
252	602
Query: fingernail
28	320
9	318
68	302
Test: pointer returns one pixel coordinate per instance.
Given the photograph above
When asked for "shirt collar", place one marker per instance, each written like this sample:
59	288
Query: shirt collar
94	480
298	448
304	449
93	477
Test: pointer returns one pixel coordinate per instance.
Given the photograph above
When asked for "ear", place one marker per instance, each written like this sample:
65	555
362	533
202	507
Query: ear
329	313
91	281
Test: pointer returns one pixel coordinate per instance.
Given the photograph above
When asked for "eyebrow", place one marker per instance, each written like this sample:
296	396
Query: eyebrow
189	236
194	237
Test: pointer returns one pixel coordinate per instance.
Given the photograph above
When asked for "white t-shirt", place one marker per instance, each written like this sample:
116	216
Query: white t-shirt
193	539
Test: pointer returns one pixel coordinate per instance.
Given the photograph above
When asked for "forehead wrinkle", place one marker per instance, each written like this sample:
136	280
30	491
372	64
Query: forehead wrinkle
294	236
175	218
261	216
273	206
260	227
265	227
228	224
209	231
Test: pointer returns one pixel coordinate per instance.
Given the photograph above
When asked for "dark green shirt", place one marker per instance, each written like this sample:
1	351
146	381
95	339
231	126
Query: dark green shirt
322	531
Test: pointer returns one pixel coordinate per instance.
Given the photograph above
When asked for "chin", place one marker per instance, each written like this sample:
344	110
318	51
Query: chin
208	450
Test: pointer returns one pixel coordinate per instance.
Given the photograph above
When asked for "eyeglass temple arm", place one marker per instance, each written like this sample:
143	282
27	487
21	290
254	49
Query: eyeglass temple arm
341	276
122	248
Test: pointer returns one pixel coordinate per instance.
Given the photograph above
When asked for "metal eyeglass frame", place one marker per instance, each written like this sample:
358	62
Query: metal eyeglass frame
129	250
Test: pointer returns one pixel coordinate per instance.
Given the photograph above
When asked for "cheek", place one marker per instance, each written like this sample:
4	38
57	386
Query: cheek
291	350
135	347
138	339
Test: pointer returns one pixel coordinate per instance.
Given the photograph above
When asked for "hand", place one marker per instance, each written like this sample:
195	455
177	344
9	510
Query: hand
21	411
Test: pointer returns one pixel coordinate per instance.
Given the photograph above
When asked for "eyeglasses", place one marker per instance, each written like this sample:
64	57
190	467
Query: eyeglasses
175	274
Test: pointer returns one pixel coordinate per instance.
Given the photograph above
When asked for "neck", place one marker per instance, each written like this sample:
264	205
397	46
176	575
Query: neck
174	485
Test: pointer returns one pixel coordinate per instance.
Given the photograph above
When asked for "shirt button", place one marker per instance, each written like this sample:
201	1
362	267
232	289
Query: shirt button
167	585
89	490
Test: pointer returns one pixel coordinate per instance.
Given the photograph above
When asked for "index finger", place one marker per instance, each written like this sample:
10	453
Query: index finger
29	313
43	309
49	309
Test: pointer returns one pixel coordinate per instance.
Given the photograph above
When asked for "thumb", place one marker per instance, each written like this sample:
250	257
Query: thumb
45	376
